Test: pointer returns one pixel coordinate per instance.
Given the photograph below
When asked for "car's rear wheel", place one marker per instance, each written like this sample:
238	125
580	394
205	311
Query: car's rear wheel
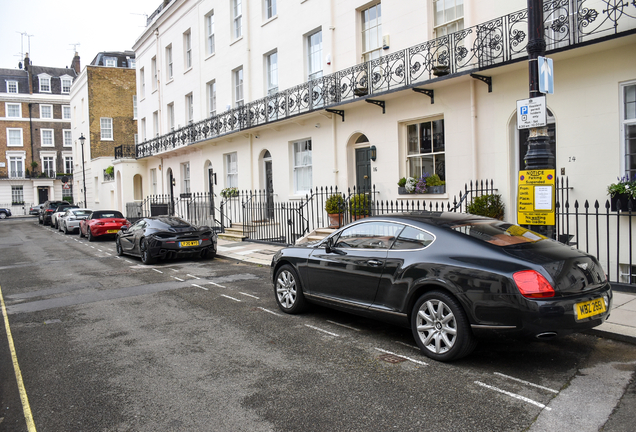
40	221
3	215
64	229
288	290
440	327
89	235
120	251
207	254
146	258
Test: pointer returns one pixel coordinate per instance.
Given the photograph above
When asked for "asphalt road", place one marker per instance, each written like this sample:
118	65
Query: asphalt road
105	343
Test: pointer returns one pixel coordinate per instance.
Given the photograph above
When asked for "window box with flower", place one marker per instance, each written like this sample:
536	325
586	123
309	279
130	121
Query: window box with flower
230	192
426	184
622	193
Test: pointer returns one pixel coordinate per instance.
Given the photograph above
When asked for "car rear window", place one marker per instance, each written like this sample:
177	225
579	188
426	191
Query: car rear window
82	212
498	233
106	215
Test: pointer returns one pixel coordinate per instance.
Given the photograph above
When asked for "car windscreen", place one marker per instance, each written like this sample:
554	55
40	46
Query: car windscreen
171	222
82	212
498	233
107	215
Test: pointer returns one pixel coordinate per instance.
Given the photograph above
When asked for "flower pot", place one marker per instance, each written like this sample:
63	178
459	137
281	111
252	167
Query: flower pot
441	70
356	217
334	220
436	189
402	190
624	200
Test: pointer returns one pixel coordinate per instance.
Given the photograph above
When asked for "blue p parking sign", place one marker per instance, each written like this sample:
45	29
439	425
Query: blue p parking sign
523	110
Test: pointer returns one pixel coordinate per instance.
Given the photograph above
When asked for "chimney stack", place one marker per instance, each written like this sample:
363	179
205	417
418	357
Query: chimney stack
75	65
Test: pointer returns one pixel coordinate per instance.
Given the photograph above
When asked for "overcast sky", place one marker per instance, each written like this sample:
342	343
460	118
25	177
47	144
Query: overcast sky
57	24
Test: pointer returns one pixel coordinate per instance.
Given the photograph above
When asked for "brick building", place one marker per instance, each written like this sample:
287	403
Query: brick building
103	105
35	133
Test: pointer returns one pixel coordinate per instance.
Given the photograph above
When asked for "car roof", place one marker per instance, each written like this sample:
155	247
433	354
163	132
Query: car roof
441	219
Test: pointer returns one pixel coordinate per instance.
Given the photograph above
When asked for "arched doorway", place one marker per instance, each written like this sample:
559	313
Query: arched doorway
268	183
138	192
363	163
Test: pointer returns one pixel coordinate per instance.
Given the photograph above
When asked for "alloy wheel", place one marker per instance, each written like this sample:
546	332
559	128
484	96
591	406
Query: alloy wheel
436	326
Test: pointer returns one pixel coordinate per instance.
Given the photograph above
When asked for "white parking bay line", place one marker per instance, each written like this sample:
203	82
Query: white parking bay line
527	383
215	284
249	295
321	330
193	277
158	271
195	285
343	325
179	279
269	311
514	395
404	357
231	298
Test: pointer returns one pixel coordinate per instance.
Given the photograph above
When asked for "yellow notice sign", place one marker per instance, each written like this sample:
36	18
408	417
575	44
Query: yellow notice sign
535	204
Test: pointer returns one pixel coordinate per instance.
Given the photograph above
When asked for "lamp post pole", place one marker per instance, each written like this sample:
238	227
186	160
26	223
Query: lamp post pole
82	138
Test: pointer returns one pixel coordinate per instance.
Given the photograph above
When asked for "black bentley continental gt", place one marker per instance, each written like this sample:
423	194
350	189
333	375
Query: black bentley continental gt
447	276
165	237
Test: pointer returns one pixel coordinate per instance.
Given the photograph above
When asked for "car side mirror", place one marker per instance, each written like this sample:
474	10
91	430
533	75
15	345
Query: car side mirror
124	228
330	248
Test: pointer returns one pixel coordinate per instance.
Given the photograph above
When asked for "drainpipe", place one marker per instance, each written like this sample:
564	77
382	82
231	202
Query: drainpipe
335	148
248	95
31	133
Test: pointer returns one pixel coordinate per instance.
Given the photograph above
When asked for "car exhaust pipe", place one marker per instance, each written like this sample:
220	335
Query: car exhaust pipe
546	335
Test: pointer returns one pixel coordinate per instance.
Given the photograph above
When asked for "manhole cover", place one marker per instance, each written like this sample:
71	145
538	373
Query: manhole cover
390	358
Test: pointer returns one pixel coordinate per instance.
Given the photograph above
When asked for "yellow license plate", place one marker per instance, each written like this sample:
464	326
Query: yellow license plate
589	308
112	231
189	243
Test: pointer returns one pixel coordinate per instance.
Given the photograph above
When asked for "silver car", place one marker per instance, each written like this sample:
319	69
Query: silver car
70	220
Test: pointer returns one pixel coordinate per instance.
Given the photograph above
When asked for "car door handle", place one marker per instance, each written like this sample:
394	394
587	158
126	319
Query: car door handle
375	263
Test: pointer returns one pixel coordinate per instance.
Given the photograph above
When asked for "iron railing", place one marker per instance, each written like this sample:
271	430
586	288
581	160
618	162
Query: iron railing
125	151
568	23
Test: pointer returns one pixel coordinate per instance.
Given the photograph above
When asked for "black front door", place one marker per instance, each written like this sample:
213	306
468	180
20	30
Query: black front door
363	169
269	189
43	194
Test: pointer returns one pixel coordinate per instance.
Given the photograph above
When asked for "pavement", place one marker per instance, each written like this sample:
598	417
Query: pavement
620	326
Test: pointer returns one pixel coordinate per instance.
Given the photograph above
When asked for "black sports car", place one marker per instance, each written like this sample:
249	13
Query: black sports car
447	276
165	237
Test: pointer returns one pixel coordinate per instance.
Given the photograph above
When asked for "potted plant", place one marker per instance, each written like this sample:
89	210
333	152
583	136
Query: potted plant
435	185
359	206
410	184
402	186
110	170
334	206
622	192
487	205
230	192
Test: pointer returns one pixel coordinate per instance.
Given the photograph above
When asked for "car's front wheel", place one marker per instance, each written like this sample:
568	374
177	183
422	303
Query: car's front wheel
120	251
81	234
288	290
146	258
440	327
3	215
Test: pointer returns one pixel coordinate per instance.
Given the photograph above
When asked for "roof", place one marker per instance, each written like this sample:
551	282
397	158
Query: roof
122	57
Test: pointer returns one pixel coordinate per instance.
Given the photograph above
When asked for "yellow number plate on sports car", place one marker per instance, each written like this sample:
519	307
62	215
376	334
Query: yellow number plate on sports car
589	308
112	231
189	243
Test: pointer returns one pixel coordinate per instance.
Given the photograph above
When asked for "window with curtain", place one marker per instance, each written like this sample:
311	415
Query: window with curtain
302	166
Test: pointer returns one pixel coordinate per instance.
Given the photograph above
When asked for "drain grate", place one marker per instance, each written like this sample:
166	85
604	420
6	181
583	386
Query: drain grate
390	358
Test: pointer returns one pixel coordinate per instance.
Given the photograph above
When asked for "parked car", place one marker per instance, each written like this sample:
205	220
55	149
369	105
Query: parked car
69	221
35	209
447	276
59	211
5	213
102	223
165	237
47	210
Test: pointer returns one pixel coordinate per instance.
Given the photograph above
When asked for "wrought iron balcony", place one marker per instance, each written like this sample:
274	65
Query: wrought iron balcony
568	24
125	151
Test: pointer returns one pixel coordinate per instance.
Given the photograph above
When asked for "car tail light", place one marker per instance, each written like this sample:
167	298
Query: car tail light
99	223
532	284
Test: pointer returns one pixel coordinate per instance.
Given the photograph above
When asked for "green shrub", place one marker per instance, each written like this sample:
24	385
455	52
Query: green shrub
487	205
359	205
334	204
402	182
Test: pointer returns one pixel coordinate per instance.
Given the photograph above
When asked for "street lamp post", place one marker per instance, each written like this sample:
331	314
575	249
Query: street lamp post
82	138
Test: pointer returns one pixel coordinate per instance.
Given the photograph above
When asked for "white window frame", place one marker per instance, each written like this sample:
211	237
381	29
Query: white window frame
7	106
110	61
44	133
142	129
371	32
45	160
66	112
155	124
237	81
185	177
231	169
314	55
135	107
16	159
187	49
237	19
66	83
44	82
11	84
9	140
628	125
132	63
153	181
435	155
170	114
67	138
271	72
211	87
106	129
17	194
209	33
155	77
189	107
445	21
302	166
44	108
269	9
169	64
142	82
68	164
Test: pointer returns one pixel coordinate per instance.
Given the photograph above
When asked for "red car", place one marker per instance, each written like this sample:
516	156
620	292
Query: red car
102	223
